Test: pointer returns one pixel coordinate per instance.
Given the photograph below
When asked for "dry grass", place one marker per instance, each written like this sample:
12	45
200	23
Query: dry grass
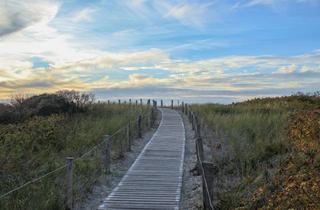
40	144
268	140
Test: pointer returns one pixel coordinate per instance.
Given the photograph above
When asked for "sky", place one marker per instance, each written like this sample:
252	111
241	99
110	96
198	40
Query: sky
218	51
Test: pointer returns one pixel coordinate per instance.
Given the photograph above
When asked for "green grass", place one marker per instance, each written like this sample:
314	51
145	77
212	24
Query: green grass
256	134
40	145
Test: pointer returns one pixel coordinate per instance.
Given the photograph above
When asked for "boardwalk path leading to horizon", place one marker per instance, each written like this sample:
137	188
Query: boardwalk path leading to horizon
154	180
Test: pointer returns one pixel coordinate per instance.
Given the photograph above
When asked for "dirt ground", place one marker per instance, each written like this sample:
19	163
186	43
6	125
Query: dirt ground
192	186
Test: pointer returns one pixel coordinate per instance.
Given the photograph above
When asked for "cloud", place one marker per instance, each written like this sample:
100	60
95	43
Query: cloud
302	71
193	14
278	2
16	15
125	61
288	69
83	15
188	14
76	63
264	2
224	89
202	45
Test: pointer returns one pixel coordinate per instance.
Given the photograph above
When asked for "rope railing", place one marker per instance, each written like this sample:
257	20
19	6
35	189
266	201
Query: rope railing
33	181
208	204
206	169
94	162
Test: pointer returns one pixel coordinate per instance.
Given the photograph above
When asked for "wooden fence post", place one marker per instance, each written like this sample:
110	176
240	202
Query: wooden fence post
199	148
139	127
171	104
193	121
151	118
209	172
69	180
161	103
198	131
108	102
182	106
122	146
129	136
107	154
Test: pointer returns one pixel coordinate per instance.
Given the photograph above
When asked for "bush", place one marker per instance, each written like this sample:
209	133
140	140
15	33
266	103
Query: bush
7	114
47	104
81	100
23	108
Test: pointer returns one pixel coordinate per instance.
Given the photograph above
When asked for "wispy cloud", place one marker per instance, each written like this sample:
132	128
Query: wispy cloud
278	2
194	14
16	15
186	13
84	15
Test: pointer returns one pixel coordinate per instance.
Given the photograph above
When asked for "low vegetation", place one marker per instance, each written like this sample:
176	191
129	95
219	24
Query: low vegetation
37	133
268	152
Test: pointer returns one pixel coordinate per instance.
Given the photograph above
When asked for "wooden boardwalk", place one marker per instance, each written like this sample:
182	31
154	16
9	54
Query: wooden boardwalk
155	178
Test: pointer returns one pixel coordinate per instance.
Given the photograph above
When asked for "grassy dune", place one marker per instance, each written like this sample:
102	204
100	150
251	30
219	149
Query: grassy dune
273	148
39	144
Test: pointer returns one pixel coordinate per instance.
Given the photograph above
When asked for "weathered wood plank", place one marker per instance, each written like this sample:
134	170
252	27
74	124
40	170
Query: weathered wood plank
154	180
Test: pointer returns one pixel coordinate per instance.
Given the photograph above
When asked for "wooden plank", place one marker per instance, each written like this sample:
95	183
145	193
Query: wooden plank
154	180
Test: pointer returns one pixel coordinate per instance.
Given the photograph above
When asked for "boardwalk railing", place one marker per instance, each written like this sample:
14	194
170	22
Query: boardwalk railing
70	183
206	169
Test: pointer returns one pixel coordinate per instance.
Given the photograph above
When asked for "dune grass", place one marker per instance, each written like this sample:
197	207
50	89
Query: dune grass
257	135
39	145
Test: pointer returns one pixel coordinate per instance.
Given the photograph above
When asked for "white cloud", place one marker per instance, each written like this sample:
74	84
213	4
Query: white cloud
16	15
193	14
189	14
296	72
278	2
288	69
43	41
126	61
83	15
37	39
265	2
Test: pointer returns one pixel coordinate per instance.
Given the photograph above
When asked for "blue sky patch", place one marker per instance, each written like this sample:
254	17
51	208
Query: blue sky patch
38	62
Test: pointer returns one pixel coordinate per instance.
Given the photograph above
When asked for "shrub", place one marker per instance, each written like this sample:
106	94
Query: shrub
23	108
